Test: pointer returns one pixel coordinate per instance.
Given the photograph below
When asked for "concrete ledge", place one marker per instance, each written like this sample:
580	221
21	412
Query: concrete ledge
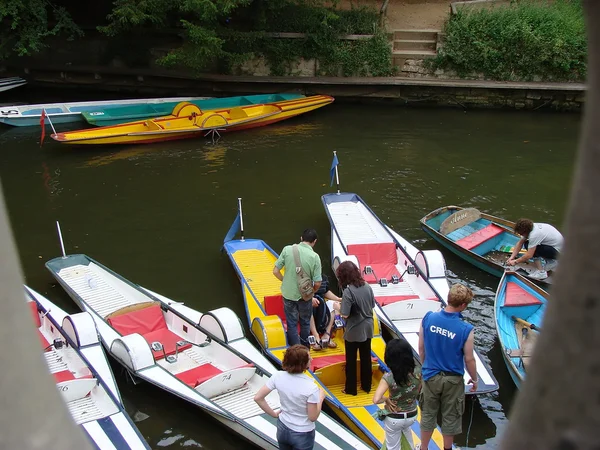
424	91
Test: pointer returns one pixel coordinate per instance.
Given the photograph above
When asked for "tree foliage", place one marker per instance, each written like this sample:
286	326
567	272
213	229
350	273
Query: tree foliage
26	23
226	33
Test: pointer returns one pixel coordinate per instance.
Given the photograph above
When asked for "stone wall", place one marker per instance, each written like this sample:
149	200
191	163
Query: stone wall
465	94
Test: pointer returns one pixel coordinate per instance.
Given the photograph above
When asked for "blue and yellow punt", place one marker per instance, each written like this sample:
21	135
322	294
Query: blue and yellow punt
253	261
480	239
518	309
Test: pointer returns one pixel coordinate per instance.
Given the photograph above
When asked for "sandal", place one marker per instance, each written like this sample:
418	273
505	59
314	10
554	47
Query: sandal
329	343
316	347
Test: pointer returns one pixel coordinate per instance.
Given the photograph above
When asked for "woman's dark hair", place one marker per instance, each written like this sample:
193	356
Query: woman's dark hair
295	359
400	359
348	274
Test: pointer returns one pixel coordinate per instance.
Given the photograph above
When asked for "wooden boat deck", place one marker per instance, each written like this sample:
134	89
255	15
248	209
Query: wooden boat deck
241	402
355	224
95	290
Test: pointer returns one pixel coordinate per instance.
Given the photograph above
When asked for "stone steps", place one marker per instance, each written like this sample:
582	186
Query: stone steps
415	34
413	44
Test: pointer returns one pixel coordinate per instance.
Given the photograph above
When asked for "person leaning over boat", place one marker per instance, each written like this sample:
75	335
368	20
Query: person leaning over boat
403	384
357	306
296	309
301	400
322	319
445	347
541	240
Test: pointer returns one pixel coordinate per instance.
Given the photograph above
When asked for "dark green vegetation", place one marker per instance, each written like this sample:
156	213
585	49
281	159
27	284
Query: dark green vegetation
225	34
207	35
528	40
25	24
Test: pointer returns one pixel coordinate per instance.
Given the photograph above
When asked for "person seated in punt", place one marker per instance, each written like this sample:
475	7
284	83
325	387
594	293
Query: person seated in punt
325	303
541	240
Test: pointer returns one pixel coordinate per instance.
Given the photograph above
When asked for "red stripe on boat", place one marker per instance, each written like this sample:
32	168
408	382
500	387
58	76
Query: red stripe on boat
387	300
479	237
517	296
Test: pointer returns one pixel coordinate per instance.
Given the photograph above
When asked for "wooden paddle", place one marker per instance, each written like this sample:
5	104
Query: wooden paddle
527	324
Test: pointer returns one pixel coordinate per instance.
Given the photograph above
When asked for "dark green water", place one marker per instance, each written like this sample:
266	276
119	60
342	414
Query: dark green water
158	214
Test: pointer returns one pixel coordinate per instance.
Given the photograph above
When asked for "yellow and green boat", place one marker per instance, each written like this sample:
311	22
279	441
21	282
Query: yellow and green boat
188	120
253	260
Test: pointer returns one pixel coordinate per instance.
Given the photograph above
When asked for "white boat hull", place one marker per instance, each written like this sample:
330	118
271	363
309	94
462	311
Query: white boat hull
83	368
402	305
101	292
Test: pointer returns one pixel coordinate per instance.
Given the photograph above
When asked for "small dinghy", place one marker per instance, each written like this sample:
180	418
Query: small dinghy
83	376
30	115
202	358
407	282
11	83
481	239
518	310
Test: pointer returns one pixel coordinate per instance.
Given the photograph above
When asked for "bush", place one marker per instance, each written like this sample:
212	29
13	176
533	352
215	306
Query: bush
527	40
323	28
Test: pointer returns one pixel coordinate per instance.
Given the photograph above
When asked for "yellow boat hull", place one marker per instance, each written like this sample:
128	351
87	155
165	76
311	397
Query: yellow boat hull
254	261
188	121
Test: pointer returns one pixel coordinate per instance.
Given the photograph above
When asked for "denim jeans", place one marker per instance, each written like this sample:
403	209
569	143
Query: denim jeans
294	440
297	311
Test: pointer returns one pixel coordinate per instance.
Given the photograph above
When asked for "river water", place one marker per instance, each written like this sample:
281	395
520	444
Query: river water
157	214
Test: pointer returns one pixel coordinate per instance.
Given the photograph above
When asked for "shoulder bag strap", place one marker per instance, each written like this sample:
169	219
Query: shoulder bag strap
297	258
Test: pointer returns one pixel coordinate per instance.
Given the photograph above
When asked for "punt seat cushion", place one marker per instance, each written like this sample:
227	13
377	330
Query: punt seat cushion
198	375
150	323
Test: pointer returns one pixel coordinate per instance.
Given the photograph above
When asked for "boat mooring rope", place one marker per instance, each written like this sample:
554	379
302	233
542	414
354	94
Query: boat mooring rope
470	420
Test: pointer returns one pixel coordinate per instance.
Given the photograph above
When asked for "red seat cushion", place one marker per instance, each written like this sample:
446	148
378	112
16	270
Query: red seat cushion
479	237
168	339
64	375
382	270
142	321
322	361
274	306
34	312
198	375
369	254
517	296
386	300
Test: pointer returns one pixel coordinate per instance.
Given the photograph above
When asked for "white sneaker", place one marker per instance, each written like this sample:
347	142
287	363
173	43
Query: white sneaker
538	275
550	264
418	447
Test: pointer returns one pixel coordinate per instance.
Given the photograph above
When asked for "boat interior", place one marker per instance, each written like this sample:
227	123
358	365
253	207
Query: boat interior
475	233
86	399
519	340
151	333
399	289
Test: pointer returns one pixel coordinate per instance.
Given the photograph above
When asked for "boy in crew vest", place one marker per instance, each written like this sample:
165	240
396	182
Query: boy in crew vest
445	347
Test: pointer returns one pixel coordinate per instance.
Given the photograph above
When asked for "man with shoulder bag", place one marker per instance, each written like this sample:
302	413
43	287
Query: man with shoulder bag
302	278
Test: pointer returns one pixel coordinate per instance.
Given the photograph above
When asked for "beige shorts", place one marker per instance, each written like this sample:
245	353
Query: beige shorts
445	393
